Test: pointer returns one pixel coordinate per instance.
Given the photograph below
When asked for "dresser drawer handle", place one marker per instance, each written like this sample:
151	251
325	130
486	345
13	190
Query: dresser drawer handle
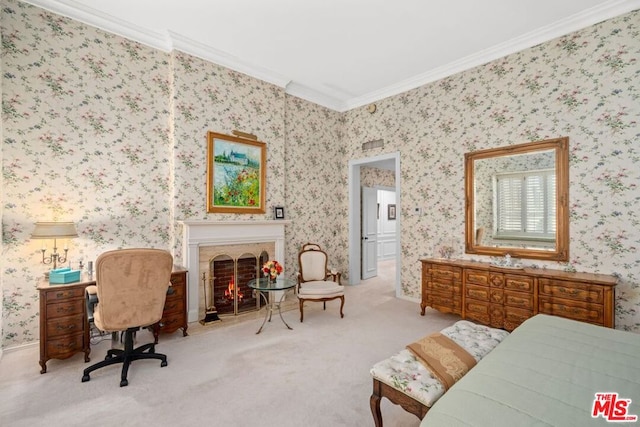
65	328
64	309
63	294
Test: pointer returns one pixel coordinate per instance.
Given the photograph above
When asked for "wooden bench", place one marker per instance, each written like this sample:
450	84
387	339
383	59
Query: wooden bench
405	381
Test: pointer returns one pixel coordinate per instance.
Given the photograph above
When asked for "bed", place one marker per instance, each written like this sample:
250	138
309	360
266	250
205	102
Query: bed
547	372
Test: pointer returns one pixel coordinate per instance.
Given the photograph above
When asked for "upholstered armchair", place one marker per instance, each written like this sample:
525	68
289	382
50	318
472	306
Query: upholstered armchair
315	281
131	286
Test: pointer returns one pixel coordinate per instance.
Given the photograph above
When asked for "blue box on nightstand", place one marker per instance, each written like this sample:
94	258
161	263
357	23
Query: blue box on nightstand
64	275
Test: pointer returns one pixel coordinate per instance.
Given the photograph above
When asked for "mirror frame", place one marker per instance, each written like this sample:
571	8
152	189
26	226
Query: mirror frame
561	252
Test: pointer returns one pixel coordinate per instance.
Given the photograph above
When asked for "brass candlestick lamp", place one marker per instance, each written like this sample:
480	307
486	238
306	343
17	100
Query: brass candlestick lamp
54	230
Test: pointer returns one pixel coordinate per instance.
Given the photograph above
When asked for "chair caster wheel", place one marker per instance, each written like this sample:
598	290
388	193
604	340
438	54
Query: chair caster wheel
124	383
85	378
163	364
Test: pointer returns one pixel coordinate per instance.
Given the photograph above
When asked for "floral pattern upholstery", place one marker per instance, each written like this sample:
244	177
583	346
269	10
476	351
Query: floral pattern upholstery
404	372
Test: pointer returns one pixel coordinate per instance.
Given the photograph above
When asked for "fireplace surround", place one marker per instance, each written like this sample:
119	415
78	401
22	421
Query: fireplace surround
201	234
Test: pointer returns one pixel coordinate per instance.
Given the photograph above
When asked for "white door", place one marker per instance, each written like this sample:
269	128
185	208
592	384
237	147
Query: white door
369	232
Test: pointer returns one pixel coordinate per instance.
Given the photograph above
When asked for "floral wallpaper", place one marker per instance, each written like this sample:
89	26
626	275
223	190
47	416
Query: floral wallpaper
371	177
110	134
316	183
85	118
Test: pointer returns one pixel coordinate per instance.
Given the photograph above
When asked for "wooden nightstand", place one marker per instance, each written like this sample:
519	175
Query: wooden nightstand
64	328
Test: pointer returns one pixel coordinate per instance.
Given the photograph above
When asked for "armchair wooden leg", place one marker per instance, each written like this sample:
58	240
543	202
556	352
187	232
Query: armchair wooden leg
341	306
301	310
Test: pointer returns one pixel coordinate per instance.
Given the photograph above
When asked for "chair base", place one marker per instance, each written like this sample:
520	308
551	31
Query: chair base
126	356
324	304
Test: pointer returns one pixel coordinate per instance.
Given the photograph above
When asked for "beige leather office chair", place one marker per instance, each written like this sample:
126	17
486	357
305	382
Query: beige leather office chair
131	285
315	281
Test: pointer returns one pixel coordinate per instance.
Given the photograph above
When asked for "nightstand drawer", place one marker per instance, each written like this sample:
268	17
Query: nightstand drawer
63	294
172	322
65	325
67	308
65	346
173	303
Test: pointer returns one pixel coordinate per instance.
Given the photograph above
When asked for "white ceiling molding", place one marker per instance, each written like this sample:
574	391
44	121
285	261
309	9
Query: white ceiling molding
210	54
103	21
328	97
305	92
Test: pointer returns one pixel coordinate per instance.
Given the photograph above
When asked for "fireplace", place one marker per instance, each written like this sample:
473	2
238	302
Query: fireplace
228	279
205	242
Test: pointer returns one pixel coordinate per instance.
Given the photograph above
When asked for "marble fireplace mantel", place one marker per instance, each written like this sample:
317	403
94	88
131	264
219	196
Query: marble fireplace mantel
199	233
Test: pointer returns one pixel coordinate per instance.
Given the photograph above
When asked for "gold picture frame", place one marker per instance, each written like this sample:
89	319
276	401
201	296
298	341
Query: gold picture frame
236	174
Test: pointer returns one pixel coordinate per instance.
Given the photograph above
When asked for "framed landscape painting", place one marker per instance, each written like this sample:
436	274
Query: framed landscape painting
236	174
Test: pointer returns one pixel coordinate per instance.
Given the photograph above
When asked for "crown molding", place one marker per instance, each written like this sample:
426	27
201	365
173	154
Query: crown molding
317	97
560	28
168	41
106	22
165	41
206	52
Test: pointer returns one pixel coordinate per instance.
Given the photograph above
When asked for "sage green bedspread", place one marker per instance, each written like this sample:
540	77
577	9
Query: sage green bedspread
546	373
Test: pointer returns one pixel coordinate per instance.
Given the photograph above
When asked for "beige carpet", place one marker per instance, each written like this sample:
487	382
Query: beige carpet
225	375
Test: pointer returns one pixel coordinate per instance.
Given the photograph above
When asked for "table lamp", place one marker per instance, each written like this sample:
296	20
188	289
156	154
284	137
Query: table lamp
54	230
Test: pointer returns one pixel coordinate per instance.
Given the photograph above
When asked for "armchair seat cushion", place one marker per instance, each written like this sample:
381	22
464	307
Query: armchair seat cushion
320	289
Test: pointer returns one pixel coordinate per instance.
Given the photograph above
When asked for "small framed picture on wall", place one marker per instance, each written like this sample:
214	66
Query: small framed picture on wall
391	212
278	212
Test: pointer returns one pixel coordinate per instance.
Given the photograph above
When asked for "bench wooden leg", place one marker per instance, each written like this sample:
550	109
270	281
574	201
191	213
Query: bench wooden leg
397	397
374	401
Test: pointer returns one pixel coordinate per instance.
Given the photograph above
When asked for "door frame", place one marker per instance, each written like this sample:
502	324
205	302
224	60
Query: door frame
355	251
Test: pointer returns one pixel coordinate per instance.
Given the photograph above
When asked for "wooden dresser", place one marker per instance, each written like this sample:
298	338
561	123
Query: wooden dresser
504	297
64	329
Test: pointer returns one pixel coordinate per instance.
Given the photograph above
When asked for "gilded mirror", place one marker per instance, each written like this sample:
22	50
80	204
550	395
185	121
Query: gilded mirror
517	200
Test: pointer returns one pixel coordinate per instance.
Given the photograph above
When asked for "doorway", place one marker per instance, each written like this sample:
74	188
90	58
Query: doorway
390	162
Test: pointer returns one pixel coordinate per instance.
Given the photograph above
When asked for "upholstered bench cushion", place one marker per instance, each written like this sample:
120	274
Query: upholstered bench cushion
405	373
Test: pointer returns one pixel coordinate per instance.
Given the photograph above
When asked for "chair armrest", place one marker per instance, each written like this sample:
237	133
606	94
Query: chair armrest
91	292
335	275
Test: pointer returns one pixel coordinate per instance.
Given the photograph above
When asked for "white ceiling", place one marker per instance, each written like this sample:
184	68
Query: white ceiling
342	53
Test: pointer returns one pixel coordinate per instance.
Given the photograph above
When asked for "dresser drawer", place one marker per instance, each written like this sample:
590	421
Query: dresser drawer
478	311
444	288
476	292
513	317
518	283
518	299
571	290
58	295
64	346
592	313
445	273
66	308
445	304
65	325
477	277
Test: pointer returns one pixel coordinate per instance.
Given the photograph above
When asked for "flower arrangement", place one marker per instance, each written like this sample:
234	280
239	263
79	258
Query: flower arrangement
272	269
